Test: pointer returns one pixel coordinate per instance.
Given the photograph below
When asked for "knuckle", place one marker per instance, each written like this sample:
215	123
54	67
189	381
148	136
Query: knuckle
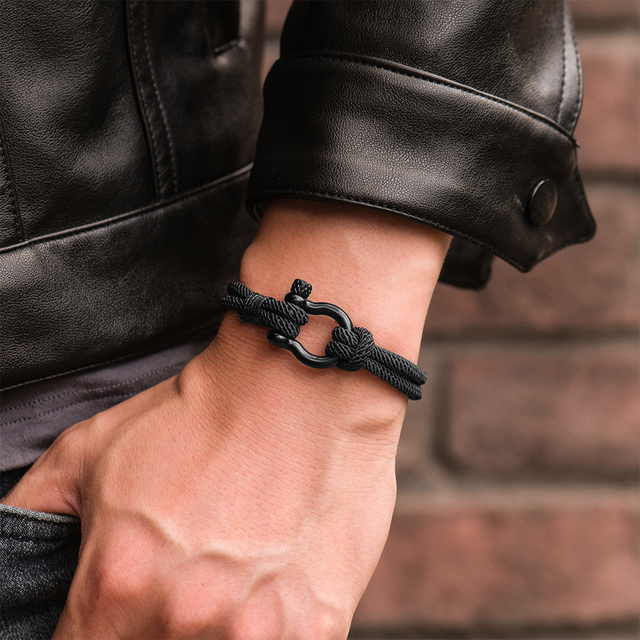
319	624
181	626
188	613
326	624
251	627
115	584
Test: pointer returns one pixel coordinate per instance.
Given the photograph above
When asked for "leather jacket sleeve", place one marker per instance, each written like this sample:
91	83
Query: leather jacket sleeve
456	114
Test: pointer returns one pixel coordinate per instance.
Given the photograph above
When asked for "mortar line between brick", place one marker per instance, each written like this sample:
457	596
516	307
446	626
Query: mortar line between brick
537	340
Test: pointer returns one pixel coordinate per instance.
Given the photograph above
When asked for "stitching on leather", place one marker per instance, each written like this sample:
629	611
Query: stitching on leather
145	20
140	92
79	391
220	49
564	59
576	112
431	223
12	196
530	114
271	192
225	181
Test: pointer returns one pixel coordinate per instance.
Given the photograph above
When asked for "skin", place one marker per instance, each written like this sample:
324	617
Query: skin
249	496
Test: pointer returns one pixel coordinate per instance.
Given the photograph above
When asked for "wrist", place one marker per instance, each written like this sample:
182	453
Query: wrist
242	371
380	268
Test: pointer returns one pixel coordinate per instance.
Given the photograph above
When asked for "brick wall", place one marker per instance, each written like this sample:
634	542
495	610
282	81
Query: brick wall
517	511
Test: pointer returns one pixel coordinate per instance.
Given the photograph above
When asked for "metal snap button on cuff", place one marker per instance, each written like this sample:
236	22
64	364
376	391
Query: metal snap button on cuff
543	201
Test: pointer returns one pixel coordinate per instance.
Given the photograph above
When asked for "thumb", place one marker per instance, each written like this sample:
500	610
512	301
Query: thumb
52	484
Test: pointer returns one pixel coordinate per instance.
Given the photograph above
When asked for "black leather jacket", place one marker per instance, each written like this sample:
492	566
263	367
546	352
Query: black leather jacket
128	132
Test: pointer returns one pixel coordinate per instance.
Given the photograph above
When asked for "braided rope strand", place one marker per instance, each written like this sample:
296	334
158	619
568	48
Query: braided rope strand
403	367
357	350
354	348
412	391
285	317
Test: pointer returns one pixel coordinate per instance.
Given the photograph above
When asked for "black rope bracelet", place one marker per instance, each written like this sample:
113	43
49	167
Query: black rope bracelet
351	348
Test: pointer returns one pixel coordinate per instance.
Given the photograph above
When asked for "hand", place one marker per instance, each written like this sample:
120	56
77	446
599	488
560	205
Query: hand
212	513
247	497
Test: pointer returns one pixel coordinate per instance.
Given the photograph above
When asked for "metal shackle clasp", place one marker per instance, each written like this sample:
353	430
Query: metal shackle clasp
313	309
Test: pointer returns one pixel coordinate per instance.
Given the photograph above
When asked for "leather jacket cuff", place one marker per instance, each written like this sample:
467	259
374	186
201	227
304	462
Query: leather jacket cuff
368	131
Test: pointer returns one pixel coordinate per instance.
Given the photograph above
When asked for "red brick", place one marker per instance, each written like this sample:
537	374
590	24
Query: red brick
598	14
414	441
585	289
276	12
585	13
535	412
609	125
456	565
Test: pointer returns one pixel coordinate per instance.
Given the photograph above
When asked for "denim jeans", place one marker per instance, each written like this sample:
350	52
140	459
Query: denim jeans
38	557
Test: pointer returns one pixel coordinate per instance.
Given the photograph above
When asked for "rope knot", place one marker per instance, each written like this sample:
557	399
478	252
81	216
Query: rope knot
301	288
252	307
352	348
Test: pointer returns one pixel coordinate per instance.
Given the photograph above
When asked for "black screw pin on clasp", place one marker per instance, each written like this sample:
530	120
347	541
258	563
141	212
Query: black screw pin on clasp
313	309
